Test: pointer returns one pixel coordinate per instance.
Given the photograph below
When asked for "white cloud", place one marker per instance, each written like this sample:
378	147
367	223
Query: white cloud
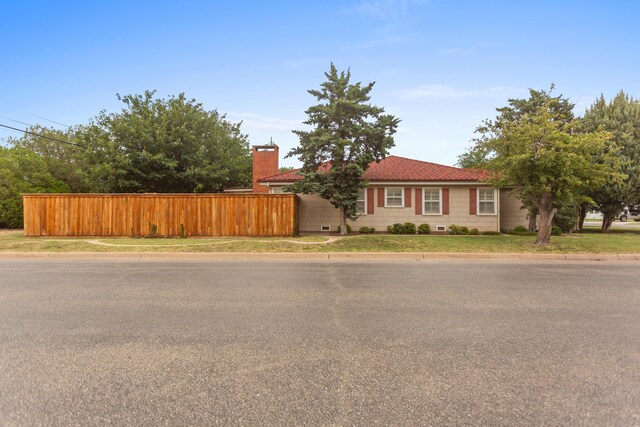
444	91
452	51
384	9
252	121
295	63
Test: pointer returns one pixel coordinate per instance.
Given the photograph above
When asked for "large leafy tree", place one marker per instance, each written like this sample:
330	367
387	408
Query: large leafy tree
544	158
348	134
168	145
22	171
65	159
560	108
620	117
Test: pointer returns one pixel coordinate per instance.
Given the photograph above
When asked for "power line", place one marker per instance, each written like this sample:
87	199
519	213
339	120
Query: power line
43	136
18	121
49	120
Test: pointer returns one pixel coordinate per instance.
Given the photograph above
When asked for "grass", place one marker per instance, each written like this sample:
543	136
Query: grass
589	241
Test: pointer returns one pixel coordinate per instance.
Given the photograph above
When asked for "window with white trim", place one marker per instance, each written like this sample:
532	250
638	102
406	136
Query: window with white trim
393	197
486	201
431	201
362	202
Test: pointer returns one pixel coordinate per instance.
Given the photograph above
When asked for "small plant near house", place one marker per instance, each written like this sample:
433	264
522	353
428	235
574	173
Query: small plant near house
183	235
424	229
474	232
464	230
521	230
490	233
408	228
348	229
366	230
456	230
556	231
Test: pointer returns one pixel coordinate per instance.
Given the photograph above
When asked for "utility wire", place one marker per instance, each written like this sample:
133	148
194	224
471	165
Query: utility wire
18	121
49	120
43	136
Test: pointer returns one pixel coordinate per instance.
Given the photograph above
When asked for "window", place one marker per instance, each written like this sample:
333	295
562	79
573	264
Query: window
362	202
394	198
277	190
486	201
432	198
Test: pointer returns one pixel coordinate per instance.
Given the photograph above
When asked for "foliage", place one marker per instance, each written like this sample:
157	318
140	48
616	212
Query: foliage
348	134
458	230
533	145
366	230
490	233
65	160
424	229
556	231
348	229
521	230
620	117
566	218
474	232
22	171
165	145
406	228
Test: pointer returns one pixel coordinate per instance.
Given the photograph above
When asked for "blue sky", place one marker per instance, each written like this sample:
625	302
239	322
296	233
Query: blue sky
440	66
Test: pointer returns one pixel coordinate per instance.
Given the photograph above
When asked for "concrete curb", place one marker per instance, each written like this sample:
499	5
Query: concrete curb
230	256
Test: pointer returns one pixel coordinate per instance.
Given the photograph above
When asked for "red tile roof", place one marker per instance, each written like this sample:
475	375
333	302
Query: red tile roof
395	168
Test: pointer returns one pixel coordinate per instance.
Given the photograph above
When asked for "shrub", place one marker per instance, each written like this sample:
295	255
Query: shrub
394	229
348	229
424	229
490	233
366	230
566	218
458	230
474	232
520	229
464	230
556	231
408	228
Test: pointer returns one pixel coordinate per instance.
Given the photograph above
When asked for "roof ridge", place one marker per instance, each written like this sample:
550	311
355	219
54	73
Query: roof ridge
432	163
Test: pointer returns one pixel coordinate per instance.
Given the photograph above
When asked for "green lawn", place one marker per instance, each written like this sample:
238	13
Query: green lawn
590	241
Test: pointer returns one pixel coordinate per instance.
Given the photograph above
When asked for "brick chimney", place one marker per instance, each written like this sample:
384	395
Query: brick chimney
265	163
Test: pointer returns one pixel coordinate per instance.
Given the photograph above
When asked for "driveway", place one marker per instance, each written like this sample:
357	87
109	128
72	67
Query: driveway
340	343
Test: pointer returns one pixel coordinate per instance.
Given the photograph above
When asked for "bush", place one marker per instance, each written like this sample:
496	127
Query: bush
490	233
458	230
474	232
556	231
408	228
566	218
348	229
520	229
367	230
424	229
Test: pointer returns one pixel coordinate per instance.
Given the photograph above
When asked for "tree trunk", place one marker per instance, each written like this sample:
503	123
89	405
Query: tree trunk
545	224
607	220
582	215
343	222
533	213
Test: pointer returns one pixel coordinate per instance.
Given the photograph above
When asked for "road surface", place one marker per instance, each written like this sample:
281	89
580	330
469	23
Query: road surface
340	343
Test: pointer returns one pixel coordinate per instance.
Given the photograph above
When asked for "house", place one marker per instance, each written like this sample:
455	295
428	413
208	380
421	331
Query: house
401	190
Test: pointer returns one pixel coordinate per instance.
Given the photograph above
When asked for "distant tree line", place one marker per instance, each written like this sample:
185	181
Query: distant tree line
559	165
154	145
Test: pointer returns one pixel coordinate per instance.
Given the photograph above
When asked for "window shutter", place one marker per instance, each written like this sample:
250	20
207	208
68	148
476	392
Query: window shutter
381	197
445	201
418	201
369	201
473	201
407	197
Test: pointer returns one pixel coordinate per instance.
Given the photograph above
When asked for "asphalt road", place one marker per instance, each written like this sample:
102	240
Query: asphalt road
339	343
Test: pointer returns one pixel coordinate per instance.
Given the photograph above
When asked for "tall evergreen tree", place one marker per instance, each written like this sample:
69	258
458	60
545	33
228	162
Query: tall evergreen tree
349	134
621	118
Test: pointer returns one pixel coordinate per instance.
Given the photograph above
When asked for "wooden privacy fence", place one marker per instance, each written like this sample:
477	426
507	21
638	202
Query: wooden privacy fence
160	215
